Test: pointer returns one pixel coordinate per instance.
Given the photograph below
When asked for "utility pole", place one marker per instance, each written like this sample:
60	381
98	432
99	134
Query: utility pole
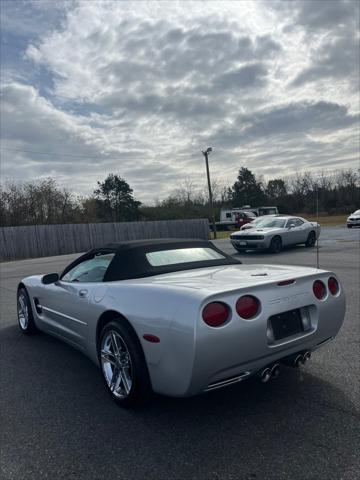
206	155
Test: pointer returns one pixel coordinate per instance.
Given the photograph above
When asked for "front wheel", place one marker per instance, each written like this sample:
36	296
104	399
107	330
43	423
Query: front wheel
275	245
349	226
311	240
123	365
24	313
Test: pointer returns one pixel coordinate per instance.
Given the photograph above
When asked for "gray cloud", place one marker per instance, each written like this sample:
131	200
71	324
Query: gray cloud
249	76
338	58
301	117
322	15
178	105
298	119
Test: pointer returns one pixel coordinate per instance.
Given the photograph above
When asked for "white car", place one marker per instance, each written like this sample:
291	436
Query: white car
354	219
275	232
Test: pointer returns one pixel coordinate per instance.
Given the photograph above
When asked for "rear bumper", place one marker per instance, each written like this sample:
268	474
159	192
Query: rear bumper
255	368
249	369
245	348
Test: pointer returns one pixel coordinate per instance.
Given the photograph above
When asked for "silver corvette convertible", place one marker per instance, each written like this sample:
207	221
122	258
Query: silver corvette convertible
181	317
274	232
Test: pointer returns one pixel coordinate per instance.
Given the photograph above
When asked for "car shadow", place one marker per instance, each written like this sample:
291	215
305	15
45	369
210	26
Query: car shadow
286	249
298	426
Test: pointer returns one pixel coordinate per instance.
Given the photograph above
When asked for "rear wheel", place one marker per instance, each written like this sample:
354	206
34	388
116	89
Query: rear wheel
275	245
123	365
311	240
24	313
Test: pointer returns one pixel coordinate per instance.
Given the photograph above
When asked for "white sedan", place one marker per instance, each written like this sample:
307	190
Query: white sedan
354	219
274	232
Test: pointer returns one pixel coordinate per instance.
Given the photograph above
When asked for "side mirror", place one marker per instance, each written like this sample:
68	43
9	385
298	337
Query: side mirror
50	278
292	225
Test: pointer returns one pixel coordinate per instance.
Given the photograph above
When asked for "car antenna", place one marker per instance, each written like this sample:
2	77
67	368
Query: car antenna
317	226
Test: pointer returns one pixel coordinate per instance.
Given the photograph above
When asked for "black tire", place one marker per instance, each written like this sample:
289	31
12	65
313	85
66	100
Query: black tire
135	371
311	240
275	245
349	226
240	250
24	313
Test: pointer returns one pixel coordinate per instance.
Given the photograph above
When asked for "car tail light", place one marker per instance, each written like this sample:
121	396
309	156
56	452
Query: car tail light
215	314
333	286
319	289
247	306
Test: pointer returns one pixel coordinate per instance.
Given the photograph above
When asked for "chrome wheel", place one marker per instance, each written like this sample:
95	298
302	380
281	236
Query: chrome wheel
116	364
23	311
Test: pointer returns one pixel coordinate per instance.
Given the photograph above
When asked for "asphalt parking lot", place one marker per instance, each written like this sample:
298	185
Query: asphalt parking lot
58	422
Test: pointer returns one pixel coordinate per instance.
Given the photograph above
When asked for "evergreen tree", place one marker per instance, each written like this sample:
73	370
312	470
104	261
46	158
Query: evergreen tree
115	200
247	190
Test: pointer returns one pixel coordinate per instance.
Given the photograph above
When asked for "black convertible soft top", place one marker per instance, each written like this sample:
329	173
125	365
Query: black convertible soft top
130	259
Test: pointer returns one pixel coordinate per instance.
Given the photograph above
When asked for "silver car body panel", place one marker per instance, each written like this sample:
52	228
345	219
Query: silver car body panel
192	357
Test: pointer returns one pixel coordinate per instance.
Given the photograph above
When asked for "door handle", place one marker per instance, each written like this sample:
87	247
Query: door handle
83	293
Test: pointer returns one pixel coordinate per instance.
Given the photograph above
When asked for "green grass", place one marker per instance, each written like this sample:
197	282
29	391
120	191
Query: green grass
324	220
327	220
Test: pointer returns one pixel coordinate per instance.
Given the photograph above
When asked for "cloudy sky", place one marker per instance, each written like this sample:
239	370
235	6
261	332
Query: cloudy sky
139	88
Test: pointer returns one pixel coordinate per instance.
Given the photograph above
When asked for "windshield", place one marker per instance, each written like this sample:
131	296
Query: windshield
182	255
270	222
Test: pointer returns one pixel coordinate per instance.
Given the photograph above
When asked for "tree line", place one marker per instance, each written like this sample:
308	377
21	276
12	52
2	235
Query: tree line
44	202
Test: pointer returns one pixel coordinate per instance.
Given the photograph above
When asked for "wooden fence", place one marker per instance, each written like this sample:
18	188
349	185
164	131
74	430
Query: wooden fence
48	240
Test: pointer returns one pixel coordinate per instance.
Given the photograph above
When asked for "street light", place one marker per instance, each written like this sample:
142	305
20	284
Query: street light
206	155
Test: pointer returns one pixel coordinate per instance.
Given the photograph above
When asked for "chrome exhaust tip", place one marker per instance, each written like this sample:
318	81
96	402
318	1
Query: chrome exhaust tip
265	375
306	357
298	361
275	371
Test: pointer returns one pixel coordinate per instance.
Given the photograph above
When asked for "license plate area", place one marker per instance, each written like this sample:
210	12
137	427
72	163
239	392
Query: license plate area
286	324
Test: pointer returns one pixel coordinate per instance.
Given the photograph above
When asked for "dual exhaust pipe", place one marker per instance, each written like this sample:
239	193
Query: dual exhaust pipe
270	373
298	359
273	371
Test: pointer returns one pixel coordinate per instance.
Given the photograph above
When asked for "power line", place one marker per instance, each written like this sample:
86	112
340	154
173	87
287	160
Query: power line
65	154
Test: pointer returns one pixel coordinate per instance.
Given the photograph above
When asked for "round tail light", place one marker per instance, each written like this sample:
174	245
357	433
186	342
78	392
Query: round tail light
215	314
247	306
319	289
333	286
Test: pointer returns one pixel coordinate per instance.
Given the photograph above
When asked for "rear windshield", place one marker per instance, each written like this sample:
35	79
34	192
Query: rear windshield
182	255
